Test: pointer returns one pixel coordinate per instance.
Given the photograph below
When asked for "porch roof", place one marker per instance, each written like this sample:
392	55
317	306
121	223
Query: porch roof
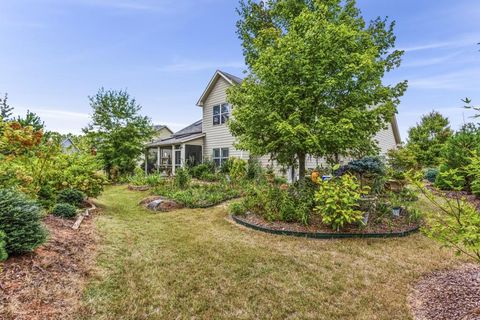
175	140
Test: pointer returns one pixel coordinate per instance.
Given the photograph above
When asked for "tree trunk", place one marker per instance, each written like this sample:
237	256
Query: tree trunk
301	166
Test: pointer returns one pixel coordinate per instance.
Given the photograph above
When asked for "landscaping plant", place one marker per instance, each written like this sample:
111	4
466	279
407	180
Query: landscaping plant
20	220
337	201
64	210
73	197
431	174
182	178
3	250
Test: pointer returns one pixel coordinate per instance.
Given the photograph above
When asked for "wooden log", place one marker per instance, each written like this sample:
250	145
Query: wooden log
80	218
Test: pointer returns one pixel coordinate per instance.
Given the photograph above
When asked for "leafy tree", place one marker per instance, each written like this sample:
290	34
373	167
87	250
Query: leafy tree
117	130
459	147
5	109
31	120
427	138
315	71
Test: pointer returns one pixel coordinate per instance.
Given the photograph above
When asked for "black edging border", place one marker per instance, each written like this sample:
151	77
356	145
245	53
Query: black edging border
319	235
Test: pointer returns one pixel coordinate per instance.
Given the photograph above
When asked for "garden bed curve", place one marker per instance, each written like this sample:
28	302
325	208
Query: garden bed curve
325	235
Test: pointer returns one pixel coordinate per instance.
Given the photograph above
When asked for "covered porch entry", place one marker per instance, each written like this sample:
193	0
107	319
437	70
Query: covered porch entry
167	155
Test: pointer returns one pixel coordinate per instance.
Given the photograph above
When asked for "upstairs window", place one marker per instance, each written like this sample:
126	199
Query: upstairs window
221	113
220	155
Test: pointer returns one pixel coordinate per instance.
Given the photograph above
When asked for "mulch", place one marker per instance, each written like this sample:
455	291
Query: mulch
48	283
471	198
448	295
398	224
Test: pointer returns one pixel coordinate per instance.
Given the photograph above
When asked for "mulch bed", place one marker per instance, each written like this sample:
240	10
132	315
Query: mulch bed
448	295
48	283
399	224
474	200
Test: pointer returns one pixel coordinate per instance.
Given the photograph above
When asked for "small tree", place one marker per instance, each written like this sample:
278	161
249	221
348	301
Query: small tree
5	109
118	131
427	138
315	73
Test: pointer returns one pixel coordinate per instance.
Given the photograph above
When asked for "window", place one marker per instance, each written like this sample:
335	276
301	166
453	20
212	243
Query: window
220	155
221	113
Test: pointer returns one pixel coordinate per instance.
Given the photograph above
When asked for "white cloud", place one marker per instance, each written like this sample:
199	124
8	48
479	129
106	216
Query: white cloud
461	41
465	80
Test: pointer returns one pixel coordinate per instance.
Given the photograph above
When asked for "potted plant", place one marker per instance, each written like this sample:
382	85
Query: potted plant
396	206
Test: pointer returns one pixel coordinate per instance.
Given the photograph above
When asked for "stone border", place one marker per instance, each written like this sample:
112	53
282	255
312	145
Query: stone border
320	235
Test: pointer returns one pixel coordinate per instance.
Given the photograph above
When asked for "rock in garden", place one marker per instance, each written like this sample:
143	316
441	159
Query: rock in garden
157	203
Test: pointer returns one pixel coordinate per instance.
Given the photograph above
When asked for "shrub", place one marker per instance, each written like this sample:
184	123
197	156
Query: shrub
337	201
237	209
402	159
71	196
203	169
238	169
182	178
20	220
3	250
458	149
64	210
367	165
431	174
46	196
450	179
226	166
254	169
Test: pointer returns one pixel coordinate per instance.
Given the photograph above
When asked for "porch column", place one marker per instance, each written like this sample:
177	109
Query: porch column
173	160
159	155
183	153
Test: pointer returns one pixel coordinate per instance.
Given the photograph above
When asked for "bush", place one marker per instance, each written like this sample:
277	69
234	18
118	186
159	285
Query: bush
20	220
337	201
431	174
71	196
3	250
46	196
254	169
203	169
182	178
238	169
450	179
226	166
64	210
367	165
237	209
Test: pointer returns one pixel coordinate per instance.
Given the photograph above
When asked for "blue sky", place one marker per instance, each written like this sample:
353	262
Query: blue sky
55	53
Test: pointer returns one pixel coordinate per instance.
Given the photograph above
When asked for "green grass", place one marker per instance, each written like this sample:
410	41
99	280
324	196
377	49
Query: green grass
194	264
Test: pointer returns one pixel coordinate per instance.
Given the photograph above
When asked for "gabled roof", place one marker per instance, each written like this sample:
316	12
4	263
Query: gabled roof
160	127
191	132
218	74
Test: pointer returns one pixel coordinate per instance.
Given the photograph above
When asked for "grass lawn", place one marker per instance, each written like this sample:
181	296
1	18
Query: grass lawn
194	264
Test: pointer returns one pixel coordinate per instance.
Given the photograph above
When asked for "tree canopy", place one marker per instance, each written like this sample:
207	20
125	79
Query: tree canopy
314	83
117	130
427	138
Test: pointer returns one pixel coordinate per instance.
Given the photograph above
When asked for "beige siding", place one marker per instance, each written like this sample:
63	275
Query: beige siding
218	136
386	140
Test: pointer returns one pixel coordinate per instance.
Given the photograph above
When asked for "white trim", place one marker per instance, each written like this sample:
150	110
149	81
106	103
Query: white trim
210	86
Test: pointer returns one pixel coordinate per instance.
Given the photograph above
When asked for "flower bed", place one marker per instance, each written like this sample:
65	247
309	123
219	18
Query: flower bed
398	227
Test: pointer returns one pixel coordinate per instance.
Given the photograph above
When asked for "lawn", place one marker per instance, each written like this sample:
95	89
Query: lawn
193	263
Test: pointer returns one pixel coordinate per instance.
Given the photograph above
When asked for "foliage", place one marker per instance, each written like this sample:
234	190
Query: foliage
71	196
236	209
238	169
431	174
401	159
315	68
201	170
427	138
20	220
337	201
254	168
197	196
46	196
459	147
5	109
367	165
3	250
455	223
226	166
64	210
182	178
473	174
118	131
450	179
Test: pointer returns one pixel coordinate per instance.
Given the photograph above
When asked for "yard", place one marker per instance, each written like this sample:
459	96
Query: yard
194	263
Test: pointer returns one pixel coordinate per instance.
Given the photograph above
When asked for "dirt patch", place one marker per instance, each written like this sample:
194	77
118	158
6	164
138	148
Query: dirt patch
158	203
474	200
396	224
447	295
48	283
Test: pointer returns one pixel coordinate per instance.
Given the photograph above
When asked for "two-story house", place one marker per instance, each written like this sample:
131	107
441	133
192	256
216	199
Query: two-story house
211	139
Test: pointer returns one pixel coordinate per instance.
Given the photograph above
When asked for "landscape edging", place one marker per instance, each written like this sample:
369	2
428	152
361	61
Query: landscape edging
319	235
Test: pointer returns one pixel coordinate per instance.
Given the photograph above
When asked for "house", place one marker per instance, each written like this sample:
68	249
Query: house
210	138
68	146
161	132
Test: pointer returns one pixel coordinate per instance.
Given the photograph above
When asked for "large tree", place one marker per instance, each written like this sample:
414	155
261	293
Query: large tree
5	110
428	137
117	130
314	83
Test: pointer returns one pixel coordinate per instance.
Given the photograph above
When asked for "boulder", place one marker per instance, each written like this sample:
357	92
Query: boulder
157	203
